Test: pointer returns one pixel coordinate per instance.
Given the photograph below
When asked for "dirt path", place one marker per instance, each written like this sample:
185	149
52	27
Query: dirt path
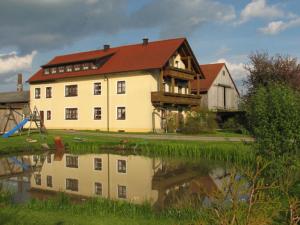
163	136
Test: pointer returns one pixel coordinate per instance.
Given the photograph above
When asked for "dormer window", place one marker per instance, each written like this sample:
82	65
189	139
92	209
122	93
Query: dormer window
69	68
93	66
46	71
85	66
61	69
77	67
53	70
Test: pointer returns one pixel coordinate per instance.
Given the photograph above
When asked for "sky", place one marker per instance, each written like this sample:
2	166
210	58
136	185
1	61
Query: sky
32	32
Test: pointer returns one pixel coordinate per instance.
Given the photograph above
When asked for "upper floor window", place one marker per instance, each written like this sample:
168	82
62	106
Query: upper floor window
97	88
121	113
71	90
97	113
37	93
72	161
223	72
77	67
122	166
121	87
46	71
53	70
85	66
48	158
72	184
48	92
61	69
71	114
69	68
98	164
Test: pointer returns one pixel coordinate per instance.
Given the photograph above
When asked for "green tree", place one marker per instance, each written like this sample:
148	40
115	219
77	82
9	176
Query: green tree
273	114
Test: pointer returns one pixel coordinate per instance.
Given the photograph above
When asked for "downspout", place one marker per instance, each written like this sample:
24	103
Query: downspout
107	101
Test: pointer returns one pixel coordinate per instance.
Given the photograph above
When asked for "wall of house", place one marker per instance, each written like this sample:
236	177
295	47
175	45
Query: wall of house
137	179
137	101
216	93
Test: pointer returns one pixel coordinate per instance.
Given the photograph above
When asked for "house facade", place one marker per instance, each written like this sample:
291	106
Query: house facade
218	90
129	88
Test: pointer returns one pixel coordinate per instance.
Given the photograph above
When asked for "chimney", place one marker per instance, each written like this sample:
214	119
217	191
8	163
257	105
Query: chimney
20	83
145	41
106	47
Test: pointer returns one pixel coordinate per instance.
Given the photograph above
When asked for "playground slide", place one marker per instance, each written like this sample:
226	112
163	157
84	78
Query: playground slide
16	128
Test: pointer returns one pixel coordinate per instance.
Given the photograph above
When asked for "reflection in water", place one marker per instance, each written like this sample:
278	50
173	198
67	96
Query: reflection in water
132	178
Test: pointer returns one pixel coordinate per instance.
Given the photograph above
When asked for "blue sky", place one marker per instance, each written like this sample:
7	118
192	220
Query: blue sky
34	31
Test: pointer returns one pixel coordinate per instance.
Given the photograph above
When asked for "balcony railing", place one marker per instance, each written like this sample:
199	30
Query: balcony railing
159	98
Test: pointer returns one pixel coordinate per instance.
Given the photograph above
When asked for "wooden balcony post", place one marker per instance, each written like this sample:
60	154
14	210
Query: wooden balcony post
198	85
189	87
172	84
161	81
189	63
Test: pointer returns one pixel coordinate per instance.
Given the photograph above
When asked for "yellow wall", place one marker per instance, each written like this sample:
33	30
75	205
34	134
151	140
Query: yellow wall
137	179
137	101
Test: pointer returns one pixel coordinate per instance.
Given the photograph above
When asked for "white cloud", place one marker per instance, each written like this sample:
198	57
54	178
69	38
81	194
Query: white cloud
276	27
260	9
12	63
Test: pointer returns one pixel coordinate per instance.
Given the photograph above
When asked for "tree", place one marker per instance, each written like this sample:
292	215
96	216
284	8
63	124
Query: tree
273	114
264	69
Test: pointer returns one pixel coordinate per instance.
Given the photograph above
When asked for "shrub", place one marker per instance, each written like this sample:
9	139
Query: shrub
198	121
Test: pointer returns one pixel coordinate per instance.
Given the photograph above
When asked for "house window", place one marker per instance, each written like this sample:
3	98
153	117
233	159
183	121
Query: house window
46	71
98	188
48	115
98	164
72	161
53	70
121	87
77	67
97	113
93	66
71	90
179	89
61	69
48	92
121	191
72	184
37	93
69	68
85	66
121	114
38	179
49	181
122	166
71	114
97	88
223	72
48	158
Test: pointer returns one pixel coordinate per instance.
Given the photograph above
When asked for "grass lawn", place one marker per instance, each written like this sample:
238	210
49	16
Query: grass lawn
21	216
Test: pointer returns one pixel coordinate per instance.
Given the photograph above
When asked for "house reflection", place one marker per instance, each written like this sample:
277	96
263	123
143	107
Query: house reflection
132	178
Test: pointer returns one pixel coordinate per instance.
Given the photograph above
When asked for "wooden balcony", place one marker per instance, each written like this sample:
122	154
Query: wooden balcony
179	73
162	98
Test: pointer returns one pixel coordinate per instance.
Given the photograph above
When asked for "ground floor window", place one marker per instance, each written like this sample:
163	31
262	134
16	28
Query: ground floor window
122	191
72	184
71	114
98	188
38	179
97	113
49	181
121	113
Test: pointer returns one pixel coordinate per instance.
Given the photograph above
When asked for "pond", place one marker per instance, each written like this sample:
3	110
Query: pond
137	179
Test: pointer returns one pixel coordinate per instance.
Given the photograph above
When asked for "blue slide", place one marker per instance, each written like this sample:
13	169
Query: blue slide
16	128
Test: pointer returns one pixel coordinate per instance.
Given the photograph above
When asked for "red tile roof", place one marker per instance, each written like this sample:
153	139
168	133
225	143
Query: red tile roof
210	72
154	55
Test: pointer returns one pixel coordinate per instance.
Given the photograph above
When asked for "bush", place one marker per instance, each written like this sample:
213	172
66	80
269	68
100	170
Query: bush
198	121
273	114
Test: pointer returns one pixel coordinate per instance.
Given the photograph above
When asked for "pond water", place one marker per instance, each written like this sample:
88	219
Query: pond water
162	182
